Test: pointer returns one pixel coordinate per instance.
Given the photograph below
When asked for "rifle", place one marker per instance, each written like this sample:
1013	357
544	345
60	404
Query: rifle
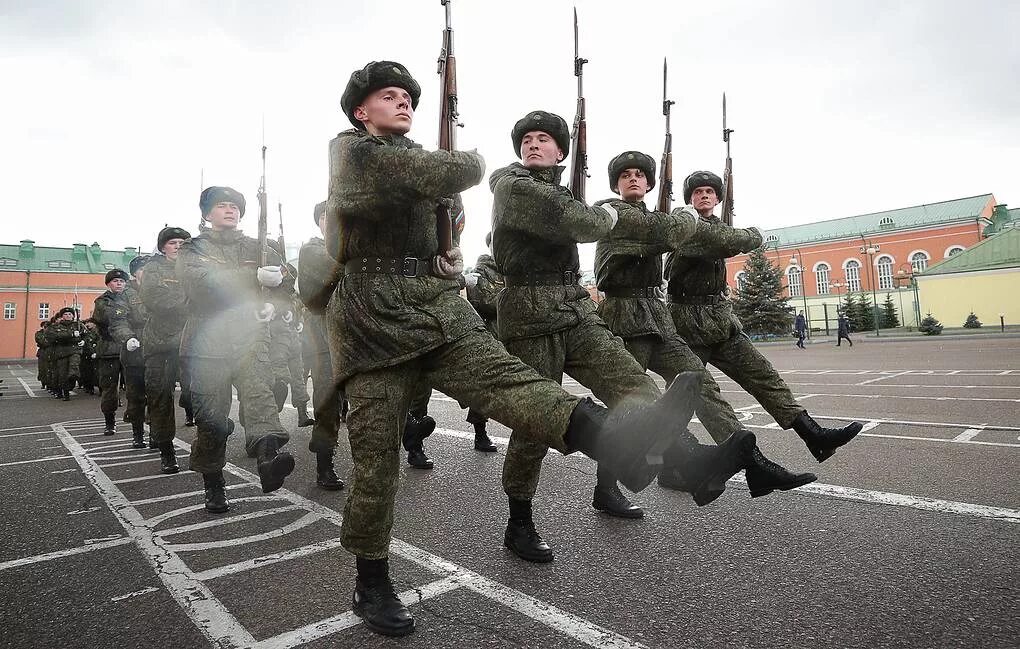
446	221
727	194
666	166
283	246
263	213
579	134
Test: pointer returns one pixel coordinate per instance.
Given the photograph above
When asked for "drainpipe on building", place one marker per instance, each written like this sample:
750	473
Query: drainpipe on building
24	335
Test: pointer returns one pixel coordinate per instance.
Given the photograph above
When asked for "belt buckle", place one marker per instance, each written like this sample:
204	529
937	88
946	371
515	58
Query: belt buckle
409	267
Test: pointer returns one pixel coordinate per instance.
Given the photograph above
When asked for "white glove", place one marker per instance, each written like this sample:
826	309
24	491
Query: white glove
300	327
131	345
270	276
471	279
288	317
93	356
75	333
81	343
613	214
448	266
266	313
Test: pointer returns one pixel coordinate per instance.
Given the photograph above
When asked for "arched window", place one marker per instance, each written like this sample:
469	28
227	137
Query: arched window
885	272
741	280
822	278
771	238
953	250
853	276
886	222
794	279
919	260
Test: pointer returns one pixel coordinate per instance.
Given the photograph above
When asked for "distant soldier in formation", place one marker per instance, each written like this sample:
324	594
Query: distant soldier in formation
285	347
42	353
108	306
64	342
703	317
89	368
126	327
483	288
226	343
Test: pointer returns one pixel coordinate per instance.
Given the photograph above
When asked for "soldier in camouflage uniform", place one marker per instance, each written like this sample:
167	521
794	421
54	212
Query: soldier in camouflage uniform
285	347
89	370
704	318
628	269
163	297
318	275
396	322
64	342
226	342
42	354
126	328
108	306
483	287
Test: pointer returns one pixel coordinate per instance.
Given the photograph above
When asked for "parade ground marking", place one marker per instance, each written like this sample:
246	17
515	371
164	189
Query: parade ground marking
28	390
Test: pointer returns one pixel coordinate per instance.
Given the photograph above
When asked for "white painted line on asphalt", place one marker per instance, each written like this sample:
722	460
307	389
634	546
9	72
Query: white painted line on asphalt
892	375
143	478
869	425
144	591
41	459
917	386
60	554
899	396
94	448
939	439
229	520
34	432
63	471
155	521
186	494
29	390
967	435
72	488
908	422
148	459
301	523
208	614
83	511
276	557
47	448
136	455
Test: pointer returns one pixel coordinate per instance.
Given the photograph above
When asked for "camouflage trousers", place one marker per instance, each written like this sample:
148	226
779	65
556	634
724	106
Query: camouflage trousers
43	369
598	360
134	391
89	373
65	370
742	362
288	366
670	356
211	379
109	383
161	371
475	370
326	399
182	377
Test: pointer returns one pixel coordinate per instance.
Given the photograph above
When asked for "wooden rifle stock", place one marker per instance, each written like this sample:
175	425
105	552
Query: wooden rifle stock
448	123
579	137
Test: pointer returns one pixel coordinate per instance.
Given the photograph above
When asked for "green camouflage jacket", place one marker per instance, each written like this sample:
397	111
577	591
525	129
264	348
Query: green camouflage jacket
217	272
483	295
536	226
164	301
40	340
125	326
383	193
318	275
91	337
109	307
62	338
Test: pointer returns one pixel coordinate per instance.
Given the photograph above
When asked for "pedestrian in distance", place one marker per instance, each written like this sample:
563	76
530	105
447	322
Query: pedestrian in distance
800	329
843	330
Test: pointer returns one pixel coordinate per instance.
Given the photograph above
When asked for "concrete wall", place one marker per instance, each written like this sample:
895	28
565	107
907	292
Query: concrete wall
951	297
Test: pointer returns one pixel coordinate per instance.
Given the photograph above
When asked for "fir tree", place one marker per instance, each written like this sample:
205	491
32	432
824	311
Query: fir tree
972	322
849	310
930	326
888	319
760	304
865	313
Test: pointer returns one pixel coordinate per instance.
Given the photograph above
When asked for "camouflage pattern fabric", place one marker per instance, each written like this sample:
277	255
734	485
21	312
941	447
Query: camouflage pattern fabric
126	324
109	384
65	354
483	295
165	303
89	365
108	306
285	357
42	371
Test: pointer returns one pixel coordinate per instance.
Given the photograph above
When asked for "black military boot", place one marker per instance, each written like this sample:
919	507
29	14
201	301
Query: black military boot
111	423
415	432
215	493
765	476
137	434
609	499
702	470
66	394
274	465
630	442
325	474
168	458
823	442
482	441
302	416
375	601
153	445
522	538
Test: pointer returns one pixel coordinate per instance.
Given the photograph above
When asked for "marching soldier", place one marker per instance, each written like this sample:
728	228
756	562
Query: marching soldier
166	307
225	341
628	270
126	328
396	322
89	371
65	343
42	353
285	347
704	318
483	287
109	305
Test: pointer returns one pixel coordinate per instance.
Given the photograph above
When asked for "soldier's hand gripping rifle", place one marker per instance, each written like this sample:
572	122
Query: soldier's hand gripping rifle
666	166
449	217
579	135
727	194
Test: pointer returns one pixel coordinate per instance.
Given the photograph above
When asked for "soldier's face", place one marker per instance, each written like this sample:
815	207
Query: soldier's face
386	111
66	317
539	150
224	216
116	285
171	247
704	198
632	185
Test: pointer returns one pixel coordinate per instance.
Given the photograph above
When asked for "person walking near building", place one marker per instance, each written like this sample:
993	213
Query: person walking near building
843	329
800	328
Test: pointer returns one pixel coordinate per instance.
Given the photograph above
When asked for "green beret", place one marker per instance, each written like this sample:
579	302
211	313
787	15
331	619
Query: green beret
540	120
319	212
702	179
372	77
631	160
212	195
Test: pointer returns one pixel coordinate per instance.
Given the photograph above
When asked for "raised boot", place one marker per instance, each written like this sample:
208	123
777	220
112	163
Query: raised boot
522	538
630	442
823	442
415	432
168	458
482	441
375	601
609	499
215	493
325	474
273	465
137	434
702	470
111	424
765	476
302	416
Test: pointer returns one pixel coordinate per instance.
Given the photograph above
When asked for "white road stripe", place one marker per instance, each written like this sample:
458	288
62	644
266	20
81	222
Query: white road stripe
939	439
186	494
276	557
72	488
967	435
155	521
35	432
60	554
41	459
143	478
28	390
144	591
83	511
148	459
301	523
63	471
229	520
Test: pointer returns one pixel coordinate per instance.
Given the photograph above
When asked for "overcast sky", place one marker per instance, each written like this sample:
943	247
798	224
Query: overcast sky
112	110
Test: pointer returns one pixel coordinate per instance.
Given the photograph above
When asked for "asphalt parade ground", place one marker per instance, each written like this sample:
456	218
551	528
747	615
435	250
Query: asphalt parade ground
909	538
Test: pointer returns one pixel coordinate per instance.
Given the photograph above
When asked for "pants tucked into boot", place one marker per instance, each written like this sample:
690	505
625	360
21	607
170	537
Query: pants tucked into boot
109	383
161	371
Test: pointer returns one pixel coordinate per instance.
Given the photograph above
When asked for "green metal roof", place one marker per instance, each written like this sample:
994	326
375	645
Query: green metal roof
998	251
881	222
78	259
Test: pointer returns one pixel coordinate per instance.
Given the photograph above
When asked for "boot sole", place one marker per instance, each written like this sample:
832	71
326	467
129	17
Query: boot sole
217	510
737	448
281	466
807	478
531	558
631	514
329	487
168	471
393	632
822	453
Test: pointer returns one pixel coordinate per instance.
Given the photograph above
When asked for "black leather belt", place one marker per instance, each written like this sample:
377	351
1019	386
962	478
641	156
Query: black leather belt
404	266
565	278
694	299
644	291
